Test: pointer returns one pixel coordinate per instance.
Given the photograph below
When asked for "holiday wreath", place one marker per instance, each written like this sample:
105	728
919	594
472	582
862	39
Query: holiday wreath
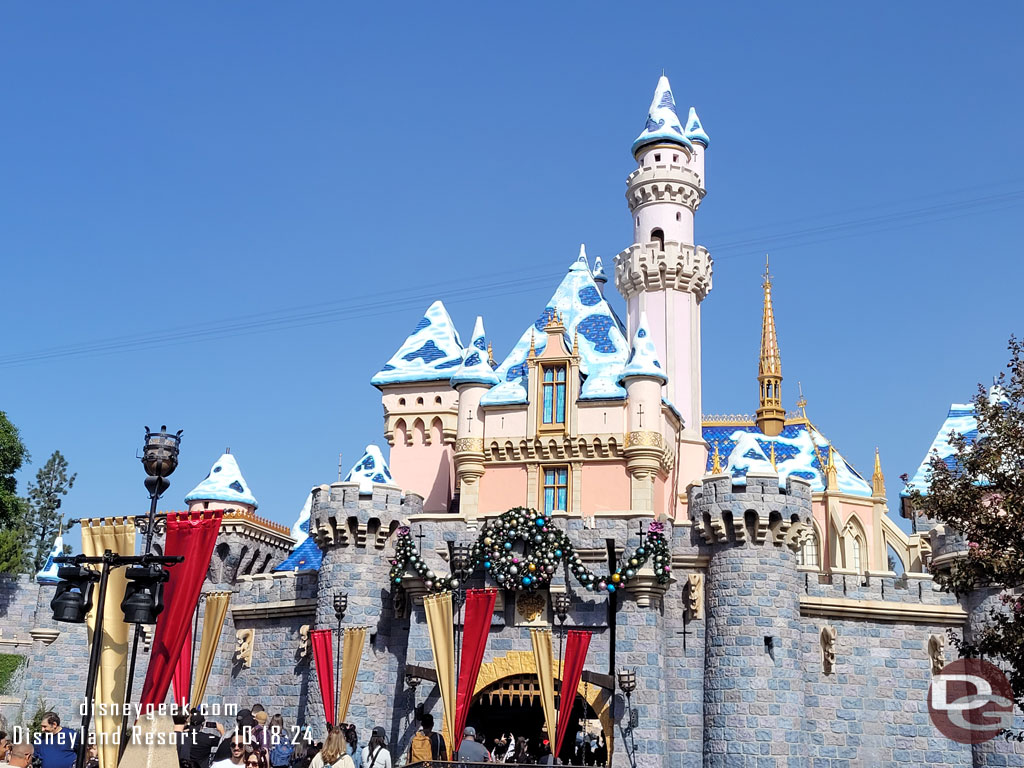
522	549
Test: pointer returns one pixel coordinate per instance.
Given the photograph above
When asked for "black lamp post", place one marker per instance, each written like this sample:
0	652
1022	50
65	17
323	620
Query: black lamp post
627	684
340	606
561	602
461	556
141	605
159	459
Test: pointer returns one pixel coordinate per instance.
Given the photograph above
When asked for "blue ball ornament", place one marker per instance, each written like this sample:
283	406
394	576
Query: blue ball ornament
558	553
611	587
508	545
540	521
487	563
526	581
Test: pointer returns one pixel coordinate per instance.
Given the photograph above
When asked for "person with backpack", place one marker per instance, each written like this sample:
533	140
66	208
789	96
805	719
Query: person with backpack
279	744
333	753
375	753
426	745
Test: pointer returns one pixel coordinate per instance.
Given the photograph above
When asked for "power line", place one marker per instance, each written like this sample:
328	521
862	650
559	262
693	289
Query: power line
474	288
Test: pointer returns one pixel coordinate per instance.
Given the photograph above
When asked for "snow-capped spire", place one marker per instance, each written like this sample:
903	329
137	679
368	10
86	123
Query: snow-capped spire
643	358
475	368
431	352
600	276
224	482
370	470
694	130
663	123
581	260
300	530
48	575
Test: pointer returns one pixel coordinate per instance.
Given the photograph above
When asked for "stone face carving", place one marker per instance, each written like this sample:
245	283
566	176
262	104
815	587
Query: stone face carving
531	606
937	652
828	637
244	641
695	595
303	652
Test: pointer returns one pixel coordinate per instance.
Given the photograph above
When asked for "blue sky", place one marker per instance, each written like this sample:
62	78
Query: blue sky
225	217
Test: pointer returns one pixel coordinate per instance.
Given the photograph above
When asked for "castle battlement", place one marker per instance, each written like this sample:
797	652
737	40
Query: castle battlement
341	515
656	267
726	512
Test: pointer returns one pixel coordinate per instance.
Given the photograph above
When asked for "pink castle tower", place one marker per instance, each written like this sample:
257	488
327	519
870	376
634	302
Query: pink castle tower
664	274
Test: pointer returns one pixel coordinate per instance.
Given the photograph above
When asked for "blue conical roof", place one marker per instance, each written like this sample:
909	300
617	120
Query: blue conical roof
643	357
695	130
431	353
600	276
590	320
475	368
370	470
223	483
48	575
305	555
663	123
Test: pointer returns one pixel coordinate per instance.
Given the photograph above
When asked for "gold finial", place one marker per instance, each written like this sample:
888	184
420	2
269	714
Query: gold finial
490	355
533	345
831	473
576	341
716	461
771	416
801	402
771	457
877	478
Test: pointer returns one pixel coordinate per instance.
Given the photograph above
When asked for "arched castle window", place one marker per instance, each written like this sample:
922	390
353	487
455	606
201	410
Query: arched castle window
556	489
658	236
855	551
809	552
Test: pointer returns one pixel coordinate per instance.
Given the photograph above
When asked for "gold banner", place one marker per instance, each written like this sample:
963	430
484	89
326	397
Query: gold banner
440	625
213	625
351	655
545	662
117	535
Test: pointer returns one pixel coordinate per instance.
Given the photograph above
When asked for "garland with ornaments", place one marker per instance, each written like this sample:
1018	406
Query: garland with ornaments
522	549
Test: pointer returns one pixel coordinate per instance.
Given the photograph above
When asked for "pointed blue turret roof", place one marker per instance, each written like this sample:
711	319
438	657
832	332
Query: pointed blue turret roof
600	276
48	575
643	357
224	482
588	317
663	123
431	353
475	368
305	555
370	470
695	130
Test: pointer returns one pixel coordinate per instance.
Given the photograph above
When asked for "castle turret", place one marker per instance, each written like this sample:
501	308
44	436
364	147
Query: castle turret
771	416
247	545
643	379
471	380
752	635
664	273
421	408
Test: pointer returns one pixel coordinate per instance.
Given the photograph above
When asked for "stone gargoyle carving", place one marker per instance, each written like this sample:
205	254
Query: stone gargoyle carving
695	595
937	652
304	647
244	641
828	637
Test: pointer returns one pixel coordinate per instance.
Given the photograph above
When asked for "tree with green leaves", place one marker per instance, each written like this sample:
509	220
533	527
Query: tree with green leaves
12	455
44	501
980	494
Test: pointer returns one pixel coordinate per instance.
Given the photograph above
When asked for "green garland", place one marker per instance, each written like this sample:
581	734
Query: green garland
544	548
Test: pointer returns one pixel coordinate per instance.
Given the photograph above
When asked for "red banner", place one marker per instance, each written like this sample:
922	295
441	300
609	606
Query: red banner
479	610
191	535
575	654
323	657
182	679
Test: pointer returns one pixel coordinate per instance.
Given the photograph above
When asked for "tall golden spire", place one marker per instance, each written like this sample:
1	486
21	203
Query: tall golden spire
878	479
770	417
831	473
716	462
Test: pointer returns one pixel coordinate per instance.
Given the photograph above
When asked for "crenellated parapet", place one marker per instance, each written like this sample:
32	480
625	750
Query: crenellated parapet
341	516
665	182
247	545
755	513
947	546
671	266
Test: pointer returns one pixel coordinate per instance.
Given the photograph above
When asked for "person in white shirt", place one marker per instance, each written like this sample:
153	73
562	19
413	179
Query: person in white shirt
375	753
237	754
333	754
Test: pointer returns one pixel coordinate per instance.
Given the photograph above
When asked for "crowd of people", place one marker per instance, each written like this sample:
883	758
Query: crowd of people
261	741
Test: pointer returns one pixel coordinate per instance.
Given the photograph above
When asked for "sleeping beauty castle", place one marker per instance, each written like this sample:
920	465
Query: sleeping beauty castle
713	590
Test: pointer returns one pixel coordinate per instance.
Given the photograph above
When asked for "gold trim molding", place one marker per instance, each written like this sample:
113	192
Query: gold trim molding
469	445
882	610
646	438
